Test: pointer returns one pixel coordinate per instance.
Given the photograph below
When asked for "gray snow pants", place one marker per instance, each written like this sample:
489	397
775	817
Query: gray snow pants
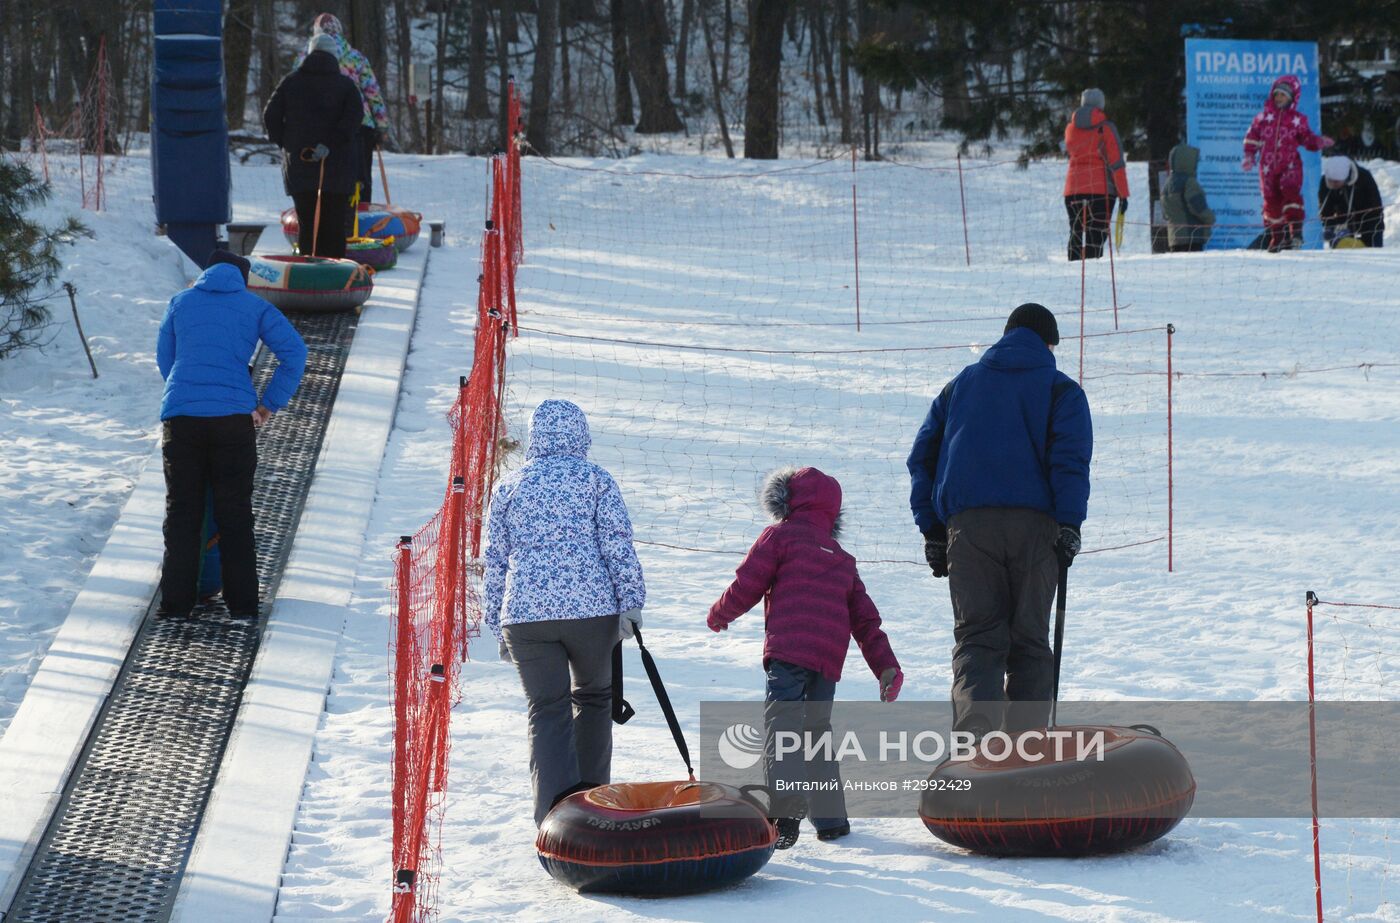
570	723
1002	573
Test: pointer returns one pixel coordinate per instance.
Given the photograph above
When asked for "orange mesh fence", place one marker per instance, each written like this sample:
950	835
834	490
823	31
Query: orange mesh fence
436	609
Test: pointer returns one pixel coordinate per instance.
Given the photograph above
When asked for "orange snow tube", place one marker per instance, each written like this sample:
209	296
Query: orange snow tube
655	838
1052	804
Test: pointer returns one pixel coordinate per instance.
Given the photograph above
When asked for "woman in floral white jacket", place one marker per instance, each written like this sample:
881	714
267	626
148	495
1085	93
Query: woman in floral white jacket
562	579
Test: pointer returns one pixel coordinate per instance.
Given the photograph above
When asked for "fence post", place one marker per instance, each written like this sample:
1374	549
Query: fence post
1171	483
962	196
855	233
1312	600
407	862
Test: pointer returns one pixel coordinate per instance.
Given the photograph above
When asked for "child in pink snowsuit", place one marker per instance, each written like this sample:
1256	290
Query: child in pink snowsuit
1273	139
813	604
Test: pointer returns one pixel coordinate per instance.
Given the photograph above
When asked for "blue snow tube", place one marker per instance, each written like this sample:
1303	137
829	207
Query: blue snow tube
655	838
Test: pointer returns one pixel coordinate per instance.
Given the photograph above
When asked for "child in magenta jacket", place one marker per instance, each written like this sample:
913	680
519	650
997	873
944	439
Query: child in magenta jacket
813	604
1273	140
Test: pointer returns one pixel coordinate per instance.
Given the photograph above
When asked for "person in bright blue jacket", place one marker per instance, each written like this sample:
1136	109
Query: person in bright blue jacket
1000	487
209	415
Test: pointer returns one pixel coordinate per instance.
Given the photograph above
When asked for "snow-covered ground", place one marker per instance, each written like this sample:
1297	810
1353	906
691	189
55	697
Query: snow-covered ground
1286	479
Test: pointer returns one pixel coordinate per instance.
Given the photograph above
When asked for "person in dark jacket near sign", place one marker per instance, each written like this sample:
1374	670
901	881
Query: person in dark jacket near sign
1097	175
1349	203
1189	217
209	413
313	116
1000	488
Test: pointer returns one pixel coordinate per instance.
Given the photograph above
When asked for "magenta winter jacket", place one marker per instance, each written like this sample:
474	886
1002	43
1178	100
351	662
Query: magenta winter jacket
813	599
1276	134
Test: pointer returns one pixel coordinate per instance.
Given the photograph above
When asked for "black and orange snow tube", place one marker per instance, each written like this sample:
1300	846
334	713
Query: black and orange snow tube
655	838
1051	803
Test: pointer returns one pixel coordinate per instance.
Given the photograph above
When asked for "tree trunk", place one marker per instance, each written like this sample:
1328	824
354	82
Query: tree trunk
622	74
503	66
833	94
408	103
683	47
869	87
367	35
728	40
646	46
542	81
843	44
267	52
439	78
952	44
715	85
566	76
814	67
478	105
765	69
238	51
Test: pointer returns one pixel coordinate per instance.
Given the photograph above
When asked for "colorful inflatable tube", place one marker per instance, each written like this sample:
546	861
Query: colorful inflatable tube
303	283
1071	798
378	221
655	838
378	254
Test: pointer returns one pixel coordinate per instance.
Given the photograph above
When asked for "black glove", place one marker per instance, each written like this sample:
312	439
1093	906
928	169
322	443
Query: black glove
1122	206
936	552
1067	544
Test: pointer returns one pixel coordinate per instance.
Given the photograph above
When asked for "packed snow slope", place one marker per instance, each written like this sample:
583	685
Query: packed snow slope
1285	477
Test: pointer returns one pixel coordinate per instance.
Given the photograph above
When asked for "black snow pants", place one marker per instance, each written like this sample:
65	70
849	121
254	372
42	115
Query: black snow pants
1002	573
202	453
1089	215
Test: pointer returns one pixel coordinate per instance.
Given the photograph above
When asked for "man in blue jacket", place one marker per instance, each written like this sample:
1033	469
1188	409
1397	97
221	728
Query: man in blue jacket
209	415
1000	474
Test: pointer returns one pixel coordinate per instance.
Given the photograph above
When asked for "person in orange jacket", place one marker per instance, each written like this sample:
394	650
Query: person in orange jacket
1096	176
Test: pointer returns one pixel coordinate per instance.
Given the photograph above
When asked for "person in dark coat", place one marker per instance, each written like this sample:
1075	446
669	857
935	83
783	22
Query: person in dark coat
1000	488
313	116
1189	217
1349	203
209	414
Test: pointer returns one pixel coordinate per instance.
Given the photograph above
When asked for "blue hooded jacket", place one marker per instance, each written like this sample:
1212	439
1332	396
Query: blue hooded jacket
558	537
1010	431
208	335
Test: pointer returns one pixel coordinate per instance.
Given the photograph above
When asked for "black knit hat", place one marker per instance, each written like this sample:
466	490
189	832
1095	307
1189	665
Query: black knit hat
1038	318
233	259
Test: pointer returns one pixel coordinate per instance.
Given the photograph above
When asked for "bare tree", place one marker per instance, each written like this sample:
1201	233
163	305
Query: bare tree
542	81
407	101
646	46
238	52
622	73
683	47
765	68
478	105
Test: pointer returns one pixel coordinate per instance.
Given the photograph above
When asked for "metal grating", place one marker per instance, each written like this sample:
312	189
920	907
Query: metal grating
119	840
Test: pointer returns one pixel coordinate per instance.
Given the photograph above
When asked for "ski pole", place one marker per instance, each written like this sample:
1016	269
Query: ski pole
1059	637
383	177
316	226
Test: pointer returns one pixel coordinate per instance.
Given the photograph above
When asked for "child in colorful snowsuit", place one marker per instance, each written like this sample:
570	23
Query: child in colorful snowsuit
813	604
1273	140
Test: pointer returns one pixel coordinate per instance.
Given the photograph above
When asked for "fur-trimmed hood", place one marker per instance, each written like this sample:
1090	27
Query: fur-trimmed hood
804	493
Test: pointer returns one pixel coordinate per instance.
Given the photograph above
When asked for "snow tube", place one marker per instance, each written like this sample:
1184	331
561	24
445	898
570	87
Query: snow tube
378	254
303	283
1051	804
655	838
380	221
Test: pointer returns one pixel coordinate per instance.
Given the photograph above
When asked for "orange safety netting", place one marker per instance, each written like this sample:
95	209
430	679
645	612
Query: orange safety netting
436	610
